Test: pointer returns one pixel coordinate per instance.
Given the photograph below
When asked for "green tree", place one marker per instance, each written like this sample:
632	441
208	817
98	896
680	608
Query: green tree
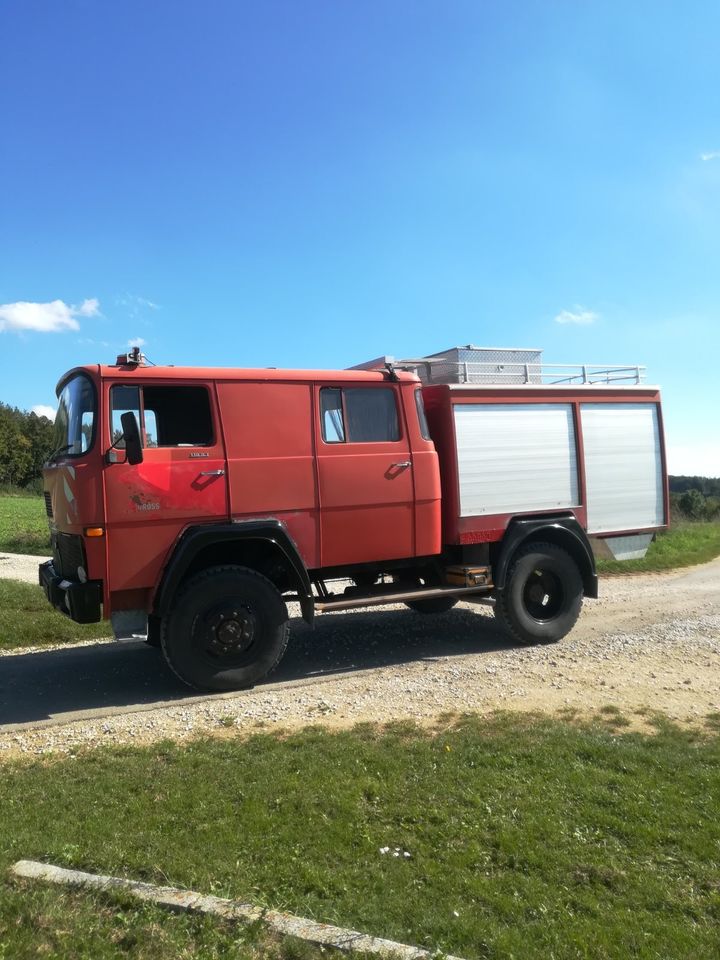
692	504
15	450
26	441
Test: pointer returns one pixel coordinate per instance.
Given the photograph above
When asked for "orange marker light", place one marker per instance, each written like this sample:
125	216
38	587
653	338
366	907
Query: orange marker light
94	531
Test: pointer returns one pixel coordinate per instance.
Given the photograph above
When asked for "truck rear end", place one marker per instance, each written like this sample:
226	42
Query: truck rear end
549	468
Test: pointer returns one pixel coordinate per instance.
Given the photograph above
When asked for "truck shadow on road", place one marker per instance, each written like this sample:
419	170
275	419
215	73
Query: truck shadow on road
114	677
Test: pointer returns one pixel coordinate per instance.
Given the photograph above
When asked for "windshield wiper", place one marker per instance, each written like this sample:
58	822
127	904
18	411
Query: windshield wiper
62	449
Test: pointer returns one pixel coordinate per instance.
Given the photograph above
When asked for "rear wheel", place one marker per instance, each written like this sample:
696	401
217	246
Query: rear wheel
429	604
432	604
543	594
226	630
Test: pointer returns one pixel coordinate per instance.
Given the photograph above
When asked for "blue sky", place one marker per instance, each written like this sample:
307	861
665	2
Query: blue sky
305	183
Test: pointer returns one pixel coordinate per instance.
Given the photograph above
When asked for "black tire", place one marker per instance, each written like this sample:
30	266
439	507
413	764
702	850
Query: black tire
365	580
432	604
227	629
153	634
543	594
429	605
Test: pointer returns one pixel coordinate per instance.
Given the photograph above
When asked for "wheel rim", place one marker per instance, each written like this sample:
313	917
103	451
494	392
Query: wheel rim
226	634
543	595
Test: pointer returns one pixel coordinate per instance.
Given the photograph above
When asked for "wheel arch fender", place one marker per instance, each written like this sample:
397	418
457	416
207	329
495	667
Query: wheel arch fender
204	538
565	532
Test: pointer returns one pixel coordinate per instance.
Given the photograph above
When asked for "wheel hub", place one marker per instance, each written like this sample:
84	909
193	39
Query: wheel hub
543	594
230	631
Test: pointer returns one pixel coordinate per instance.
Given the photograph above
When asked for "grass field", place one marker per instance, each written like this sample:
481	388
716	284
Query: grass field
23	525
683	545
526	838
28	620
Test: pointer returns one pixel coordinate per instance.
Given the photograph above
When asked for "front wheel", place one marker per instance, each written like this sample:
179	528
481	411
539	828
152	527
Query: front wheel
543	594
226	630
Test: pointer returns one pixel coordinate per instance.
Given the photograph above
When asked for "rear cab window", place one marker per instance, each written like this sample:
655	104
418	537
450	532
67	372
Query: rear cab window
359	415
422	418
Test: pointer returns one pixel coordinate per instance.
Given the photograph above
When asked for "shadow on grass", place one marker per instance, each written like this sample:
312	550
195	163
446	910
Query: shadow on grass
110	676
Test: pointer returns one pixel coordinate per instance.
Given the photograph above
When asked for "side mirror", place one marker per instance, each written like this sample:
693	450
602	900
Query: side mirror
131	436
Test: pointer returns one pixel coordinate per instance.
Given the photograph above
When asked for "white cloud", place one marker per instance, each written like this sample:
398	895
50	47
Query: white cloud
89	308
578	315
712	155
52	317
43	410
136	342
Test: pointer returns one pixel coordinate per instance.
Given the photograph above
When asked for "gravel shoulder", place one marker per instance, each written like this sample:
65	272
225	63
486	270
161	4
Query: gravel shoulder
20	566
651	644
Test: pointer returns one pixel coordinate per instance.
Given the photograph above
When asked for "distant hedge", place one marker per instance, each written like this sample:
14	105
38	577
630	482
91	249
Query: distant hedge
707	486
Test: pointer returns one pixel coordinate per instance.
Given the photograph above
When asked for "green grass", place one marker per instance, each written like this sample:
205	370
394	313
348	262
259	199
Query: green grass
527	837
28	620
49	923
24	525
683	545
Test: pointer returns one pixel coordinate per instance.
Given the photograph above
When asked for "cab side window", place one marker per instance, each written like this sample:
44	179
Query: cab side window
180	415
359	415
168	416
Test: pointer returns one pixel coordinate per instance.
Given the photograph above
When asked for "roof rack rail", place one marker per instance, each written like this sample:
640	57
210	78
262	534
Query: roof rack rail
441	370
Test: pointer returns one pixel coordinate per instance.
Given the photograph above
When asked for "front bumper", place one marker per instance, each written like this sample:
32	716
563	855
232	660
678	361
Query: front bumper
79	601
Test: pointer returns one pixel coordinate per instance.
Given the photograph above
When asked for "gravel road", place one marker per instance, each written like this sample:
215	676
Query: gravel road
20	566
651	643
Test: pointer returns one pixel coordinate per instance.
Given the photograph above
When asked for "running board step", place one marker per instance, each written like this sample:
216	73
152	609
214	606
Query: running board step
379	599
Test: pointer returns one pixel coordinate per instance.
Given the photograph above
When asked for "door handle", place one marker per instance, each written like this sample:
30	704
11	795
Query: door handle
212	473
403	463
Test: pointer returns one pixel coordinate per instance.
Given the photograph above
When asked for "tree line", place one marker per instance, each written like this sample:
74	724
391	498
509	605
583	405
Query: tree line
695	498
26	442
707	486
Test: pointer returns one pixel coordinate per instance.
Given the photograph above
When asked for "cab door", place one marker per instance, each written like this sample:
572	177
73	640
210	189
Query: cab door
182	479
366	494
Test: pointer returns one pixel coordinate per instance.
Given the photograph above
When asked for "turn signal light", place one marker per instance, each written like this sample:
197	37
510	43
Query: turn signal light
94	531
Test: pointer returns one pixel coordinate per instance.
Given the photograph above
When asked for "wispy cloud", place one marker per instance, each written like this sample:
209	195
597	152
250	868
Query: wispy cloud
53	317
135	305
136	342
578	315
711	155
44	410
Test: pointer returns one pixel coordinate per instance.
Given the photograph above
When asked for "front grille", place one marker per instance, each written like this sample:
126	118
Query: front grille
68	555
48	505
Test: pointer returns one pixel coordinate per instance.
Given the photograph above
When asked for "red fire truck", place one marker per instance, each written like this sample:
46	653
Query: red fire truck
191	505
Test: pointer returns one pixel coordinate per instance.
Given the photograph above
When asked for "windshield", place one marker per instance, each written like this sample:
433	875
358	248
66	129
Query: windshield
75	420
